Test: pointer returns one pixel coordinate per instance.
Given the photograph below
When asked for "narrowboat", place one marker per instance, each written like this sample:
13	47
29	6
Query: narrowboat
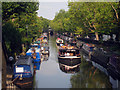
44	34
23	72
101	57
45	41
37	42
59	41
45	37
34	46
88	48
114	66
44	57
37	59
73	43
69	55
45	50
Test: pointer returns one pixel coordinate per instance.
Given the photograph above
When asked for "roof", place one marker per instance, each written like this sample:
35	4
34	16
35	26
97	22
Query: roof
34	45
23	60
37	50
69	50
68	47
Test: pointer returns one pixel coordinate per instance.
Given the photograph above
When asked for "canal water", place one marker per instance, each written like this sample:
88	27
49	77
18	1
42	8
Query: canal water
87	75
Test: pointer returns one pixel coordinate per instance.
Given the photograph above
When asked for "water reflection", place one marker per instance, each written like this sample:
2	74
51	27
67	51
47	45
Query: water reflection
53	74
89	77
115	83
69	69
49	75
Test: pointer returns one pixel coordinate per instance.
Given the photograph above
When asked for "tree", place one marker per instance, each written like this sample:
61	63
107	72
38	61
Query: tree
92	17
21	16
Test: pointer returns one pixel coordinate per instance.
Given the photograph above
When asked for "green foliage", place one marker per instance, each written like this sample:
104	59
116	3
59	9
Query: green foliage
20	24
15	9
44	23
12	37
88	17
89	77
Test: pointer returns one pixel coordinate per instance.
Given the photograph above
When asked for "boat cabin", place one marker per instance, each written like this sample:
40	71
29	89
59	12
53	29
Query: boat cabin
59	41
37	42
23	67
73	43
34	46
88	47
30	52
69	52
45	37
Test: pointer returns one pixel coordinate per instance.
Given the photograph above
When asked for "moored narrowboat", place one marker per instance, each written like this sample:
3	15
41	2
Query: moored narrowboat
24	72
88	48
45	50
100	57
36	57
68	55
34	46
37	42
113	66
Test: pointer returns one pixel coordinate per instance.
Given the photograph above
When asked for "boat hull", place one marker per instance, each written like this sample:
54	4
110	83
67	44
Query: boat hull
25	82
113	72
69	61
103	62
58	44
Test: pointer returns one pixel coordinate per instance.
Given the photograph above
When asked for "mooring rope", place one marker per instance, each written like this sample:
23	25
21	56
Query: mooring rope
13	80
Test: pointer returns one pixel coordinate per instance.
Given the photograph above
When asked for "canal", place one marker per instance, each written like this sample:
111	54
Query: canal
86	75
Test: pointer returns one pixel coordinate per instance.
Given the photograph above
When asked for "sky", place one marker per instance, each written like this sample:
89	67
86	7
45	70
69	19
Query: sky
48	8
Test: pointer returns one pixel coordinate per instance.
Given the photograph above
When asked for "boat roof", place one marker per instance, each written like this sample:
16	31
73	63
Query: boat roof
23	60
59	39
34	44
61	49
64	47
37	42
36	50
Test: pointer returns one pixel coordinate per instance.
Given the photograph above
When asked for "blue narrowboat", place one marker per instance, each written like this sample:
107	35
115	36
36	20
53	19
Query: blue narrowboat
23	73
35	45
38	57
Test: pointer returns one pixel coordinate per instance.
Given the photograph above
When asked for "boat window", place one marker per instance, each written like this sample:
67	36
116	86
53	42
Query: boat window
71	52
77	51
60	40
